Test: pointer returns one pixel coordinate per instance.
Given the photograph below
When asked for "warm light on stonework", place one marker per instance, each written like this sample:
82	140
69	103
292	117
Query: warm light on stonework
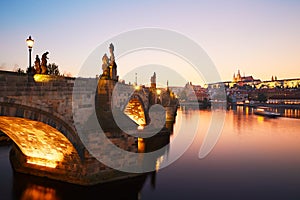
137	87
43	78
42	162
134	110
158	92
42	144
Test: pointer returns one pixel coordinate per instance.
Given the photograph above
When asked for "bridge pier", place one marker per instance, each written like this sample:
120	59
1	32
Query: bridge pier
89	172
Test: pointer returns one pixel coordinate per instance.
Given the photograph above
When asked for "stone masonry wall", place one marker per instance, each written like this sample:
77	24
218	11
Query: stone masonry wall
66	104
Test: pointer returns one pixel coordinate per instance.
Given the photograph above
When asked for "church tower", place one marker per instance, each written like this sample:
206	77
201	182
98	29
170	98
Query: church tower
153	80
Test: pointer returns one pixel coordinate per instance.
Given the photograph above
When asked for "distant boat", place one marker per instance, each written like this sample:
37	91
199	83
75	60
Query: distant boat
265	111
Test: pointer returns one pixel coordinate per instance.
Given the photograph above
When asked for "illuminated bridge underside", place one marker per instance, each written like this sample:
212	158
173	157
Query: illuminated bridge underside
135	111
40	143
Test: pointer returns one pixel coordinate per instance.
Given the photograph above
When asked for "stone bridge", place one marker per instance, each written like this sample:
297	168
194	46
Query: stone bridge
42	114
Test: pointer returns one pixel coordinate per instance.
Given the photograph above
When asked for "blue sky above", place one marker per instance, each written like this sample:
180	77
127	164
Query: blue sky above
260	38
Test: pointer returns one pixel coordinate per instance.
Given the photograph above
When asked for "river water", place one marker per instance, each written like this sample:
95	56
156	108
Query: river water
254	158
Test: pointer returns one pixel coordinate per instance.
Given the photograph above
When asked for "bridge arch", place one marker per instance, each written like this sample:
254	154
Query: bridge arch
14	110
41	144
135	110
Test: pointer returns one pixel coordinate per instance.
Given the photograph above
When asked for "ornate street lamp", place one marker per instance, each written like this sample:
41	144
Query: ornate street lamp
29	42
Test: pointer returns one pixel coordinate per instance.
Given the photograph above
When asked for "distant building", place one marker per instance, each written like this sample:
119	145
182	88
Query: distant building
245	89
195	92
283	83
176	90
239	80
200	92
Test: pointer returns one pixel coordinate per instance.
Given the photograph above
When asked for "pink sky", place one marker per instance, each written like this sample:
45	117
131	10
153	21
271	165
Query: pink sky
261	38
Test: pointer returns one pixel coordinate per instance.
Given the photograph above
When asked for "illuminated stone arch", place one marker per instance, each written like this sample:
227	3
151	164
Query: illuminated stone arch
44	118
135	110
40	143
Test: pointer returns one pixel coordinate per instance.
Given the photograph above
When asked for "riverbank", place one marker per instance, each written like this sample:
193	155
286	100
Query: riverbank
286	106
200	105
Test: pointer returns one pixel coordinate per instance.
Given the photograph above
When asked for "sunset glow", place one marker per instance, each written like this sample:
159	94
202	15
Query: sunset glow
261	38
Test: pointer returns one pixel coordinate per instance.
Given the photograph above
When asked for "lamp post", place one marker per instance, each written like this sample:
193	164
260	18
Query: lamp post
29	42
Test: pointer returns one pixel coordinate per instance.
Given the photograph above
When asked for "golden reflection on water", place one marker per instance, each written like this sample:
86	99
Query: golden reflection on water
141	145
38	192
247	111
247	135
158	162
260	119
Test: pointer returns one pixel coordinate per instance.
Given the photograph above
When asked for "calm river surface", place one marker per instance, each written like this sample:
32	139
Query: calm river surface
254	158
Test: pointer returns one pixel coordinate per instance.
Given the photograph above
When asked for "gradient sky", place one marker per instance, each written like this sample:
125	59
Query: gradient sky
261	38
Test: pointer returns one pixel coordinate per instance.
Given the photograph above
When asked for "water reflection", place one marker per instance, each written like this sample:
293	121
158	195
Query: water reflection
36	188
26	187
255	158
16	186
34	191
285	112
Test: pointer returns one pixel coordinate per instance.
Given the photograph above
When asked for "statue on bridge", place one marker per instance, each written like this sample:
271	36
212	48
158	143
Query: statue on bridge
105	66
153	80
113	65
37	65
44	63
112	56
109	66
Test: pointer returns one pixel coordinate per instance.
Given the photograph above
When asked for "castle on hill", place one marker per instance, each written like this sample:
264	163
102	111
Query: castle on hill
239	78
